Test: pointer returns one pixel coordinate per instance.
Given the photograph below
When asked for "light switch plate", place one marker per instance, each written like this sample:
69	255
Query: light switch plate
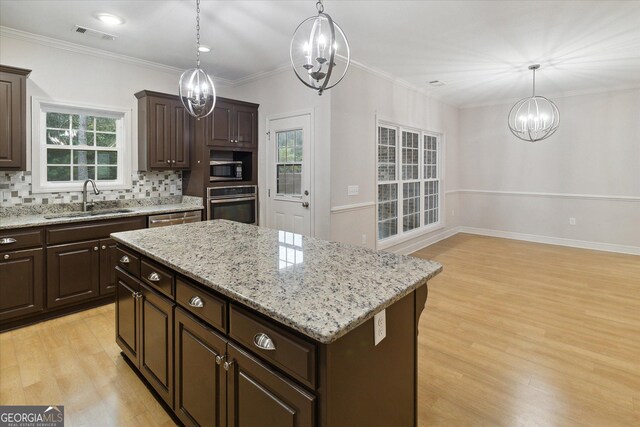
353	190
379	326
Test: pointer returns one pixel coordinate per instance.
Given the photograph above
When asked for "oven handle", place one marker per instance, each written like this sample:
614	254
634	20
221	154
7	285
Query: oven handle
240	199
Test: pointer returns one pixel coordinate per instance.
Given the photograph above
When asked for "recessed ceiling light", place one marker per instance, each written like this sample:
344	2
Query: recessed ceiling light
204	48
109	19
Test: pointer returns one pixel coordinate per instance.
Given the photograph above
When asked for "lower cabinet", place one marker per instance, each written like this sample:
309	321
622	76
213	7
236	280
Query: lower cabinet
21	283
127	315
201	387
73	272
258	396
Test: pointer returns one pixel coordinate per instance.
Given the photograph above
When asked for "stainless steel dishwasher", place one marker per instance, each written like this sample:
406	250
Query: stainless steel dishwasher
174	218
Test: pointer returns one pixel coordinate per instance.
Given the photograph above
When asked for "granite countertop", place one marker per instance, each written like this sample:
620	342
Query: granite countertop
40	215
319	288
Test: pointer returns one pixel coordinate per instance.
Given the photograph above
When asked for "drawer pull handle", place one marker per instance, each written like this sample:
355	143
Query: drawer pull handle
154	277
196	302
125	260
263	341
7	240
227	365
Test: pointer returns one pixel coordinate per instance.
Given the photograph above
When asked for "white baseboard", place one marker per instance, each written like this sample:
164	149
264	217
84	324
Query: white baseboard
423	241
607	247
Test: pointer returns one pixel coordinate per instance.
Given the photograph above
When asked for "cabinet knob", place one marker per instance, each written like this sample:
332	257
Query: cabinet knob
196	302
219	359
168	161
263	341
154	277
104	247
7	240
173	161
124	260
6	256
227	365
95	248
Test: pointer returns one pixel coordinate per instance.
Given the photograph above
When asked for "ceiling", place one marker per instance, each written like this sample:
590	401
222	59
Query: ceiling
479	49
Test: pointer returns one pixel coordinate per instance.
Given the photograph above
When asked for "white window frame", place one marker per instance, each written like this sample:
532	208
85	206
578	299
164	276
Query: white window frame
39	108
402	236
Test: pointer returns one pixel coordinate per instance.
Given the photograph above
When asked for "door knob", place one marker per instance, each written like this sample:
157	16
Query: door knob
305	204
306	192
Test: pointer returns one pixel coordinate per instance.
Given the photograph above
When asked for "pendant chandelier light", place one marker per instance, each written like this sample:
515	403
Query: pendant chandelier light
535	118
314	47
197	93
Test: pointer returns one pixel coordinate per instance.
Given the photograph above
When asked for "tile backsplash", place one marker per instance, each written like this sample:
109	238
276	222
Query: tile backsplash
15	189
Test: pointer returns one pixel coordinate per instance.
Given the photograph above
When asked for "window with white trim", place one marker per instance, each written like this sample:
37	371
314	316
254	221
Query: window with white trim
409	188
72	144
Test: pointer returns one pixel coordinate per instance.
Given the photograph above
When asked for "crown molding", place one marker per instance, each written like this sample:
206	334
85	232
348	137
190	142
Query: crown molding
100	53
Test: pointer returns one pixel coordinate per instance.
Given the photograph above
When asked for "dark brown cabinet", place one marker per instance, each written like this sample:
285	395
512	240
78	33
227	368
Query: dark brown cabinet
201	386
127	315
258	396
21	284
165	131
13	108
108	262
233	124
73	272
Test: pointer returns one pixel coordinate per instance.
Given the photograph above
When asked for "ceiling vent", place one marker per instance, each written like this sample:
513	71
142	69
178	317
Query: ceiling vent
93	33
436	83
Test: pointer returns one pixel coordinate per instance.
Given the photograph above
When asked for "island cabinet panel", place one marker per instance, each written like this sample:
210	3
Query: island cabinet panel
128	261
211	309
201	386
73	273
13	123
159	278
21	283
127	315
258	396
156	342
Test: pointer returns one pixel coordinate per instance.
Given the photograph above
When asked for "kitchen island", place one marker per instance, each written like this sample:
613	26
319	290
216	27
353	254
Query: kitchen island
233	324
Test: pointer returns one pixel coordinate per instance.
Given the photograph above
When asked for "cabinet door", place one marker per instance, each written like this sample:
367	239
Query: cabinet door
159	133
127	314
73	273
108	263
245	126
180	135
200	380
220	129
12	121
259	397
156	342
21	284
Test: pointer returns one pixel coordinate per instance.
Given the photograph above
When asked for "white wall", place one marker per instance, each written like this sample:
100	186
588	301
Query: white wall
281	93
595	152
355	103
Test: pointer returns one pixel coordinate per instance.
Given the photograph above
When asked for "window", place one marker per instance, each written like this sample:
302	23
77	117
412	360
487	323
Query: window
409	183
73	143
289	163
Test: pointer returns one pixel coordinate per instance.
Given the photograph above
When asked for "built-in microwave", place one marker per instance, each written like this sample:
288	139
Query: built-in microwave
225	170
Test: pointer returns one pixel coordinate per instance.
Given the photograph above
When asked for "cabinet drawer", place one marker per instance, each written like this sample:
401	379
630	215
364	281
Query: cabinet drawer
290	353
157	277
211	309
92	230
128	261
20	239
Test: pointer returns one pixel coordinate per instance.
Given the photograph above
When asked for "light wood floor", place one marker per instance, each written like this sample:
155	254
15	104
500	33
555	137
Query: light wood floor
513	333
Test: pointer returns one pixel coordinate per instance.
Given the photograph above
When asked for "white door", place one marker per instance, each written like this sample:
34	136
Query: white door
289	174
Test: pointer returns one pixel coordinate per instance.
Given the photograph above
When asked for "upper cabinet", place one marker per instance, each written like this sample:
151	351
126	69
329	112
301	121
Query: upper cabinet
13	120
233	124
165	131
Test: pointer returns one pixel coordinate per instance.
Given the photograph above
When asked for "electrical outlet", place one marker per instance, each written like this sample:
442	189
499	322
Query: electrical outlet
572	221
364	239
379	327
353	190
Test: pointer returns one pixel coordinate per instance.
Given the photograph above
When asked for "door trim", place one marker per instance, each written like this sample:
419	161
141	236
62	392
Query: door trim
311	165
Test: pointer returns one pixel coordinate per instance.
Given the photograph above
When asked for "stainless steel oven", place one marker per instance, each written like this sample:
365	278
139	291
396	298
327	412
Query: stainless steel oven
237	203
225	170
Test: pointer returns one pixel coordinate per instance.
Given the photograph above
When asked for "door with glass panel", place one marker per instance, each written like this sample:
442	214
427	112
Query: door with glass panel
289	177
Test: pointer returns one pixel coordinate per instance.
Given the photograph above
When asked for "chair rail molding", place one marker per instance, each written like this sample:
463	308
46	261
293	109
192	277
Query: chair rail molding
602	197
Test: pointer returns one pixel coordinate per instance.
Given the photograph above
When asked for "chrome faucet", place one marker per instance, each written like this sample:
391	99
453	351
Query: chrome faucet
86	205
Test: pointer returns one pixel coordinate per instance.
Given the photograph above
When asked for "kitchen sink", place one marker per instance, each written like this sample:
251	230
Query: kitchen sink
87	214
